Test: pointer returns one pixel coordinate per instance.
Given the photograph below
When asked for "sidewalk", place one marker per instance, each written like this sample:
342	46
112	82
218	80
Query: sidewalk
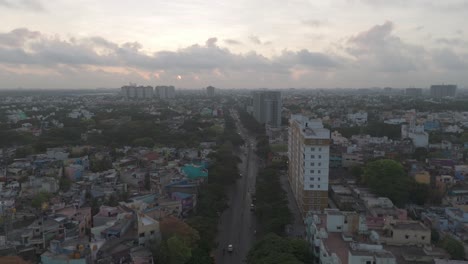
297	227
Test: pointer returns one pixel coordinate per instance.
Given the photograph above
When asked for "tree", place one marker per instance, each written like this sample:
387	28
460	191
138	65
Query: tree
435	236
274	249
144	142
39	199
387	178
454	248
171	226
179	252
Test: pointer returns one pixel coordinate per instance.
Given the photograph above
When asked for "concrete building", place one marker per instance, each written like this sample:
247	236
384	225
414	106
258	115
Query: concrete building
415	92
210	91
137	92
416	133
309	151
439	91
165	92
266	106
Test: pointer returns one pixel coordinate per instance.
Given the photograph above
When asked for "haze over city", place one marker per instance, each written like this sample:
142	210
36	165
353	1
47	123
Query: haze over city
233	44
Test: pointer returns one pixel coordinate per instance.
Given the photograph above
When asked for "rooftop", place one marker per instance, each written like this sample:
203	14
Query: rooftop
410	226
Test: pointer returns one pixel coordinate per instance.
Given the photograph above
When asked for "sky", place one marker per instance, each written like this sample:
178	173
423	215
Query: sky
233	44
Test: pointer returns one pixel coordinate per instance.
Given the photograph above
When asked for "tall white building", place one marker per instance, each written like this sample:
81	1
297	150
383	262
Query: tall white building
266	106
165	92
309	152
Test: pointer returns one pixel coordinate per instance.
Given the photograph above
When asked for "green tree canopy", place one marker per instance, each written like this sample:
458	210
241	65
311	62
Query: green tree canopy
387	178
274	249
179	251
454	248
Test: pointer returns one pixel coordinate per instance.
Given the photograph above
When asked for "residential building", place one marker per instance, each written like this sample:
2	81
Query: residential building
165	92
402	233
309	151
267	107
415	92
137	92
210	91
439	91
359	118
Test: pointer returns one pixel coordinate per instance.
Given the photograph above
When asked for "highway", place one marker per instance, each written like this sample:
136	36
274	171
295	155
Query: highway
237	223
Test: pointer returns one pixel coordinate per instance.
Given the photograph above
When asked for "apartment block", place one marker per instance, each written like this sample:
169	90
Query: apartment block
309	151
266	107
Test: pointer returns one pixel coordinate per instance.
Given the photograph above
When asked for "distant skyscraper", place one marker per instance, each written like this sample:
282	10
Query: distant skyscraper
137	92
266	107
439	91
210	91
309	151
165	92
415	92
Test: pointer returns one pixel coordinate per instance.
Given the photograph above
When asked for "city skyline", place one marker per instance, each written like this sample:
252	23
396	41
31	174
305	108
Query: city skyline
274	44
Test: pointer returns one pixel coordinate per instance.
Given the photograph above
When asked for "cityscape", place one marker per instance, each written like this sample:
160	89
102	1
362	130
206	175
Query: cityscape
234	132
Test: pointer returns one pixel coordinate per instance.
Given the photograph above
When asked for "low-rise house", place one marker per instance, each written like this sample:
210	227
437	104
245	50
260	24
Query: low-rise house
401	233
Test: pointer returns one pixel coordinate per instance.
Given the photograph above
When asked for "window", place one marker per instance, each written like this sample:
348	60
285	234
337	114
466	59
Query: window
319	171
312	156
368	262
312	164
338	227
318	179
312	149
318	186
319	156
320	163
142	234
320	149
346	221
312	171
152	232
312	178
407	237
423	237
311	186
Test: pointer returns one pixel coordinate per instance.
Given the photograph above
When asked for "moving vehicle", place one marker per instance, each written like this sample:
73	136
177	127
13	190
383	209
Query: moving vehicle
230	248
252	207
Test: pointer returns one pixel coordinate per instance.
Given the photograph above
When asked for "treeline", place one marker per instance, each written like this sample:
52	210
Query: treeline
387	178
375	129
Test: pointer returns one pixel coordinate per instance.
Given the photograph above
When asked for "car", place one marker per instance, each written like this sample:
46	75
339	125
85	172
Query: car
230	248
252	207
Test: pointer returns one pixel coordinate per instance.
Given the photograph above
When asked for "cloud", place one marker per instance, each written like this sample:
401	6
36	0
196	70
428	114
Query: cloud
32	5
451	41
25	47
232	42
313	23
255	40
211	42
380	49
450	60
17	37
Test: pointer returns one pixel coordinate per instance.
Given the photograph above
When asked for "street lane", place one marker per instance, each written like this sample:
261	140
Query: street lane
237	223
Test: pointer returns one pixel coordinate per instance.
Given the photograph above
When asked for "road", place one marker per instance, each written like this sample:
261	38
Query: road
237	223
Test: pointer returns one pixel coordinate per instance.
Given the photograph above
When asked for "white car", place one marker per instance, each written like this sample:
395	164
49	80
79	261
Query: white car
230	248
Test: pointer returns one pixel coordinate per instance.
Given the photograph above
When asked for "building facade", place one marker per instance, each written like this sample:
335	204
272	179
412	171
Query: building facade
266	107
309	151
137	92
210	91
439	91
165	92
